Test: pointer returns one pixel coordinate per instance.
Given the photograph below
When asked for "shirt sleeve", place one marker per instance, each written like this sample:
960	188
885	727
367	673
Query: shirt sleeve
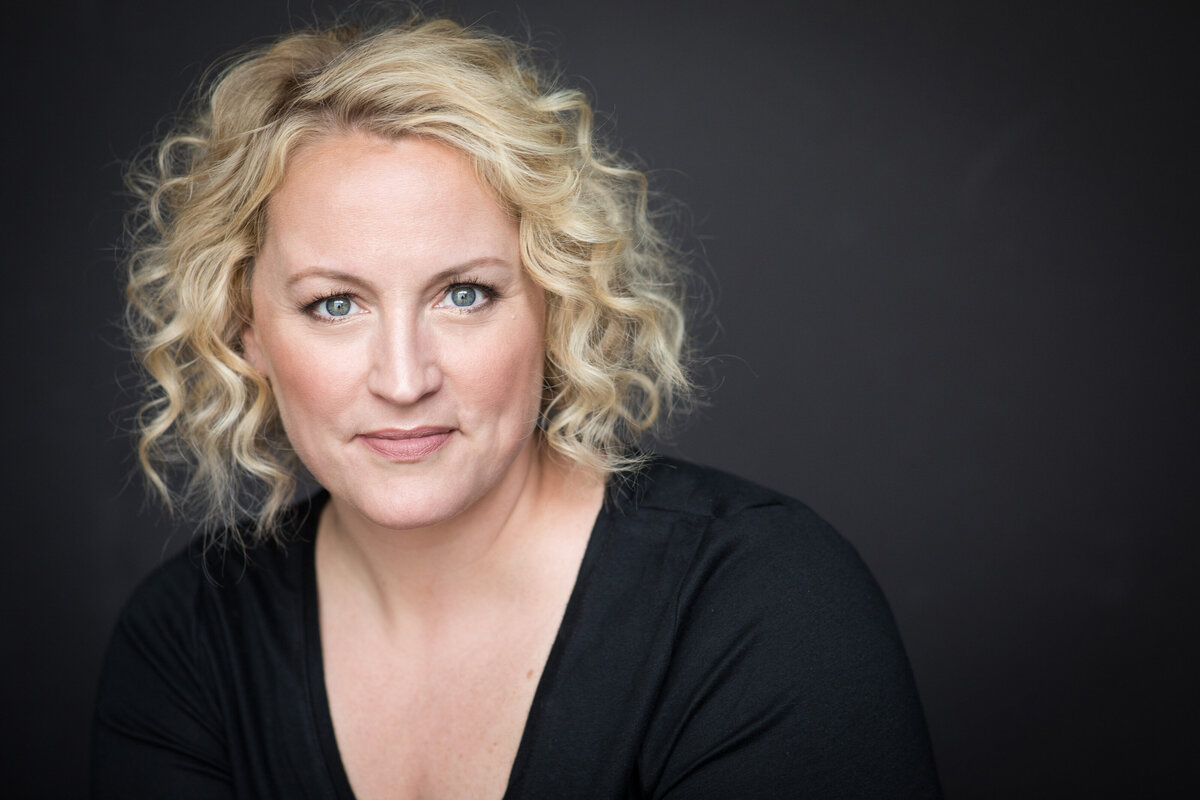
156	731
787	676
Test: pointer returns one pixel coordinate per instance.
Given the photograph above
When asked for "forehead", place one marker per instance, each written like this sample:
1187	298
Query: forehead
385	198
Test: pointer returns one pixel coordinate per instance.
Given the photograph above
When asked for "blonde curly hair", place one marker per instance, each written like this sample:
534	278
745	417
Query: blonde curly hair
210	435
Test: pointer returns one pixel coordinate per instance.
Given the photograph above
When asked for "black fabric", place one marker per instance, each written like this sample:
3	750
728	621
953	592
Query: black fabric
721	641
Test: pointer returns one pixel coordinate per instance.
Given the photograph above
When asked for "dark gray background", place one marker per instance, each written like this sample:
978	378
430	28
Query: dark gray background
953	254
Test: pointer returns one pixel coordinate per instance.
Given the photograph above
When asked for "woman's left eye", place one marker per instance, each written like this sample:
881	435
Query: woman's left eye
464	296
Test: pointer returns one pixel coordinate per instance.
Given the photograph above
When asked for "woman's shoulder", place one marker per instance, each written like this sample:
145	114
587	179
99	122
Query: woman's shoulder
780	649
727	514
213	575
748	560
673	483
198	642
728	550
164	598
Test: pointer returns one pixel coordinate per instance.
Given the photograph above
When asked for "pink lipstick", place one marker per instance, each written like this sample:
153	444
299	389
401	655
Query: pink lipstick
413	444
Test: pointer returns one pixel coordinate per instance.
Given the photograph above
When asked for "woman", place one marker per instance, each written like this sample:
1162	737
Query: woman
395	261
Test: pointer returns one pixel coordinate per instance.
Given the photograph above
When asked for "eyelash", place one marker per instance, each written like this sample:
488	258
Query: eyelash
489	292
312	305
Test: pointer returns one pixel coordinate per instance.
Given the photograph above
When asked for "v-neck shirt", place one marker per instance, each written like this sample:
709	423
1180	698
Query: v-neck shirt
720	641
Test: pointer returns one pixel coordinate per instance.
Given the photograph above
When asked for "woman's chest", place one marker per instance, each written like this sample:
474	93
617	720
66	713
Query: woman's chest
441	721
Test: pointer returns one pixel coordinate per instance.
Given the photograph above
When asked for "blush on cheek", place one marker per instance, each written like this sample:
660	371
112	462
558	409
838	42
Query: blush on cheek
307	390
512	385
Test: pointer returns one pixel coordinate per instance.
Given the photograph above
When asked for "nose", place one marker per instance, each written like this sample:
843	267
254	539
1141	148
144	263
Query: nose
404	365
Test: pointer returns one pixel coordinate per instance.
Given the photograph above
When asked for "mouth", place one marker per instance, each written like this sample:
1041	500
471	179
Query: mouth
411	444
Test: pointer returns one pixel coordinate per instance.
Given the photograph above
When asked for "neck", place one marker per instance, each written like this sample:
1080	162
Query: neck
489	555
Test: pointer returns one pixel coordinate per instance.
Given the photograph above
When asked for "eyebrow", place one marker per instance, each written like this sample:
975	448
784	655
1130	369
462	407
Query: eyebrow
447	274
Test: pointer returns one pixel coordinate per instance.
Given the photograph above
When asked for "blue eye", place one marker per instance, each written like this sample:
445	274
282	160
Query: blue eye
337	306
468	297
463	296
333	307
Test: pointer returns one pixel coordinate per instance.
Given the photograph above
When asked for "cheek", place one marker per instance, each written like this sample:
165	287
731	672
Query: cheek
304	383
506	378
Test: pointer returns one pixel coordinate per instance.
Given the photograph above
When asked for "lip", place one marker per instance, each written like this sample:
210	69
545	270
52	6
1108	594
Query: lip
406	444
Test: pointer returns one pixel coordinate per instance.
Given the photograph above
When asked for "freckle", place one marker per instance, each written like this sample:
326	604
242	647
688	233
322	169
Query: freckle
529	675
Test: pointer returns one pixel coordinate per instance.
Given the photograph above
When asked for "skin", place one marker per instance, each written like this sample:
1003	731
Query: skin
452	538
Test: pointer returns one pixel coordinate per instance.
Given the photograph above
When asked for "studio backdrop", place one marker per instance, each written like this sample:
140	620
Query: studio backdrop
946	294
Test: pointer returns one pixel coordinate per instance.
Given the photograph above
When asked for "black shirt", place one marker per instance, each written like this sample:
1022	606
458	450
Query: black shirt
721	641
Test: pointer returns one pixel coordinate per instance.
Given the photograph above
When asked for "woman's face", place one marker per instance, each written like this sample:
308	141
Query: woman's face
399	331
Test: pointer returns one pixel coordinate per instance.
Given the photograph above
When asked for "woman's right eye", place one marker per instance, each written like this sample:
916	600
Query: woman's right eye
335	307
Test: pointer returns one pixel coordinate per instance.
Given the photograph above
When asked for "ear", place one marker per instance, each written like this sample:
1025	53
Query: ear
250	348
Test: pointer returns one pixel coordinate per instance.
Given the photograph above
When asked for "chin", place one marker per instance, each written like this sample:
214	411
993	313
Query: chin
409	504
401	516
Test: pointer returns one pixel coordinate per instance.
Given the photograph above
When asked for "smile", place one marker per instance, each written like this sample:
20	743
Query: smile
397	444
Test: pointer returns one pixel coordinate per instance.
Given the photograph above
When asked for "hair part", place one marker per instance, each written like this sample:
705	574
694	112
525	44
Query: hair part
615	364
